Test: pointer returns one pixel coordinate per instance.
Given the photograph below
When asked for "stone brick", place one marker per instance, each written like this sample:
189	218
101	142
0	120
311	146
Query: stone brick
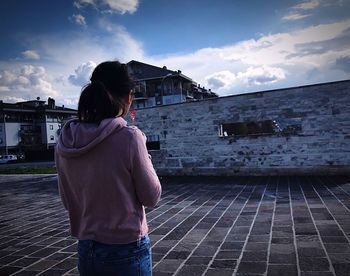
314	264
282	270
191	270
252	267
42	265
169	266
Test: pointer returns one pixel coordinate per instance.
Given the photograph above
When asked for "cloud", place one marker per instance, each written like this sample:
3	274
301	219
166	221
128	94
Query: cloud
318	9
295	16
308	5
110	42
338	43
272	61
125	46
300	11
82	74
252	76
79	19
306	46
30	54
4	88
122	6
67	53
112	6
80	3
25	82
306	56
215	83
9	99
343	63
262	75
220	79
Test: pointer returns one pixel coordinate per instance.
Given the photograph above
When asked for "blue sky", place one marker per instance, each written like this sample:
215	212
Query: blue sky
49	48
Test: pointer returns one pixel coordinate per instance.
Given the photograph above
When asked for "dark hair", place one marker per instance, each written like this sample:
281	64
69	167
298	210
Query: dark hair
103	97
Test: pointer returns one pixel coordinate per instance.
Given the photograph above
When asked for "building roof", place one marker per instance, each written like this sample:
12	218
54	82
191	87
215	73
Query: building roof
143	71
33	106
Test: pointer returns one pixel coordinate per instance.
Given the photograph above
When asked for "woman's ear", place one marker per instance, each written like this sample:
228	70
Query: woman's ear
128	98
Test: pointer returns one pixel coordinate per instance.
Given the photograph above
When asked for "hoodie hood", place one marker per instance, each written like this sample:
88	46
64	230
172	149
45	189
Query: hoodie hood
77	138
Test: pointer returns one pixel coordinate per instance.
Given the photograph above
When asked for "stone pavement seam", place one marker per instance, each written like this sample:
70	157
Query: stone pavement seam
272	225
334	195
229	230
174	206
188	216
337	223
340	202
250	230
341	229
290	225
194	225
318	232
293	227
339	187
163	199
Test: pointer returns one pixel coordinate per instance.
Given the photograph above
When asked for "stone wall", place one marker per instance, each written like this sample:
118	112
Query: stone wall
190	143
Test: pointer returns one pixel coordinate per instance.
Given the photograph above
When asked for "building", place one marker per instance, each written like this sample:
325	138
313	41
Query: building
31	126
161	86
297	130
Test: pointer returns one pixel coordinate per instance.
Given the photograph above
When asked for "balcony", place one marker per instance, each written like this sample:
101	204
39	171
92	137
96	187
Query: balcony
30	138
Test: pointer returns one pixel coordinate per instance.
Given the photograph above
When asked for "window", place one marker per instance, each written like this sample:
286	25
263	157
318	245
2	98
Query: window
140	105
140	89
150	88
52	138
26	127
51	127
252	128
153	142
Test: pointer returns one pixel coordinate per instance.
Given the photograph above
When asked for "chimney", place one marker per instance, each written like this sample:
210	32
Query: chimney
51	103
179	71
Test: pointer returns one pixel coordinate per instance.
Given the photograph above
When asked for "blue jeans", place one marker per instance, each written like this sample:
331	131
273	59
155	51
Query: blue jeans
132	259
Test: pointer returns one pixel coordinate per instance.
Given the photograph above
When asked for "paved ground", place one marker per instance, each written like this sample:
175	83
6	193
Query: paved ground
28	164
202	226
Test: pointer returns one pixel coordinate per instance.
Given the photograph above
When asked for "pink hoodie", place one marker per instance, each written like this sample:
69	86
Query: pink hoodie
105	178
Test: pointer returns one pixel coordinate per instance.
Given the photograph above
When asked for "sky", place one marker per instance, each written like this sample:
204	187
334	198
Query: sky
49	48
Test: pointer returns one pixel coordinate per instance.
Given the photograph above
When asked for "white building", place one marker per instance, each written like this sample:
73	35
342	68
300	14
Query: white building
31	126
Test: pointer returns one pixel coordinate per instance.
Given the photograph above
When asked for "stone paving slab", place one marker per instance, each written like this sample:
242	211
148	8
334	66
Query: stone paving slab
278	225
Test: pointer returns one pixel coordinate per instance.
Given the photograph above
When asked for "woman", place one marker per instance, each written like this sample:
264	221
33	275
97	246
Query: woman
106	177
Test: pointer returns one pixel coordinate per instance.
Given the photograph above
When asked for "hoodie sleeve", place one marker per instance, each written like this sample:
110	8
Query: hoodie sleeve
147	185
60	189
